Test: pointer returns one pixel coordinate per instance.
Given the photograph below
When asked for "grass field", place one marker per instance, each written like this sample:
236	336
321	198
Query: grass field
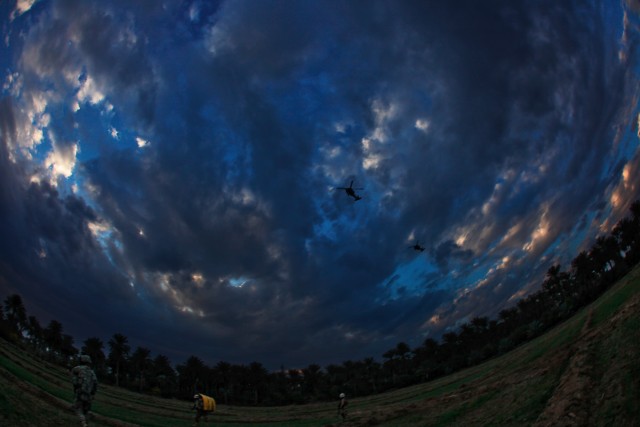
584	372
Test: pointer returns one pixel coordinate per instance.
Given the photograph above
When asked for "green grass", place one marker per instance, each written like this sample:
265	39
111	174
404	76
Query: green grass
510	390
35	380
449	417
621	349
612	300
556	338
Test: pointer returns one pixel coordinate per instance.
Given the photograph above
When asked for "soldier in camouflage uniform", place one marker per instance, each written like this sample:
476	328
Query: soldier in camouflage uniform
204	405
198	405
342	406
85	385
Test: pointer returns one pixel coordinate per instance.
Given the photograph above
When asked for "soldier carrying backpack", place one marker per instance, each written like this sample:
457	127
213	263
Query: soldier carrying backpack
85	385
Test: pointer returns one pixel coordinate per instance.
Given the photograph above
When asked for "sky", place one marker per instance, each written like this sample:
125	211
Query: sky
169	169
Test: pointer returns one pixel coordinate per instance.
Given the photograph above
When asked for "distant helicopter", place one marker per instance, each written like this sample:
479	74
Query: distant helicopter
417	247
351	191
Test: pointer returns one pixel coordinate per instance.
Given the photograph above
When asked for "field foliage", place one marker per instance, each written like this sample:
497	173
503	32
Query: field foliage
583	372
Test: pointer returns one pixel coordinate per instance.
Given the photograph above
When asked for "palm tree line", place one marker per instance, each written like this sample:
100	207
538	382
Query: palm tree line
561	295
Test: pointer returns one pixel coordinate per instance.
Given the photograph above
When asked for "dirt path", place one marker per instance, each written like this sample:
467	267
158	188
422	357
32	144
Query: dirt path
581	392
569	405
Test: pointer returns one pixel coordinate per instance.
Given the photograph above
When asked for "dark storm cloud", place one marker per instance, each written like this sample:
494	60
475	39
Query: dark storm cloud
47	252
450	249
476	118
61	222
80	38
482	132
8	173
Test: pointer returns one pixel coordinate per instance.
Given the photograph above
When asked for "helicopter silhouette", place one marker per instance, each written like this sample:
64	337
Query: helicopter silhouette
417	247
351	191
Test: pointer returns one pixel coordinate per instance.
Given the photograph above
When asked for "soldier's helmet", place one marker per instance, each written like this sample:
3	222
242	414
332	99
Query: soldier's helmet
341	395
86	359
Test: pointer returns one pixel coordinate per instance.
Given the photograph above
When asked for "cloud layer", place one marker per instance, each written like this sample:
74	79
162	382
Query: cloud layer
168	170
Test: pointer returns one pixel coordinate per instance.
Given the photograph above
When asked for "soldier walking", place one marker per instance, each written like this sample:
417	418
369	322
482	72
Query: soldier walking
342	407
85	385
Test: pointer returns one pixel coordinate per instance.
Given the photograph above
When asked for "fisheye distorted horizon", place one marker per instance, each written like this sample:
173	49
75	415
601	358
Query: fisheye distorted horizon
176	171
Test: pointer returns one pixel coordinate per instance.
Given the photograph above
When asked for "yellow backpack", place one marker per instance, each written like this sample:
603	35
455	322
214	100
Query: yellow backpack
208	403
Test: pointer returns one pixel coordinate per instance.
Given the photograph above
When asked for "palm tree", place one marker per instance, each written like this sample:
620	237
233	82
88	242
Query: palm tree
612	251
93	347
603	255
53	338
67	349
15	314
390	364
555	284
4	325
312	375
337	378
450	339
359	373
36	334
163	375
633	231
192	375
349	369
119	353
480	324
257	378
223	373
426	351
626	233
140	360
465	337
583	276
162	365
403	351
372	369
427	358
